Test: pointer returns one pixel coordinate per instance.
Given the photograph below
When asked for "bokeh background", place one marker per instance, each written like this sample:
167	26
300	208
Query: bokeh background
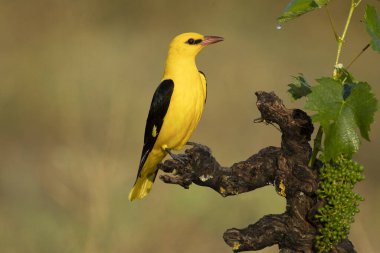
76	81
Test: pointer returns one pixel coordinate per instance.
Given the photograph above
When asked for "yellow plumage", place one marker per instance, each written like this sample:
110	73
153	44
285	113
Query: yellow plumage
184	110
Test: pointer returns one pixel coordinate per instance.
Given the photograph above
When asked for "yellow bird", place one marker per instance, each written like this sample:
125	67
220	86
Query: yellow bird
176	108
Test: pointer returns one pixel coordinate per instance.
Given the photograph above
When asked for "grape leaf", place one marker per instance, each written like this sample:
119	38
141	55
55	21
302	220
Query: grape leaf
299	88
364	105
322	3
341	117
372	22
296	8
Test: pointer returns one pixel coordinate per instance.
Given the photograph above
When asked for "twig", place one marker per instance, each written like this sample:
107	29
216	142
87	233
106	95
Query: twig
341	39
358	55
332	24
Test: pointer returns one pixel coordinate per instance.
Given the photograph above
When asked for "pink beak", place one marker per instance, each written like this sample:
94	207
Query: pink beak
211	40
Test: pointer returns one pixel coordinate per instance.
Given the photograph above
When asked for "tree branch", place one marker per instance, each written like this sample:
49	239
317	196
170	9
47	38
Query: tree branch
286	168
202	169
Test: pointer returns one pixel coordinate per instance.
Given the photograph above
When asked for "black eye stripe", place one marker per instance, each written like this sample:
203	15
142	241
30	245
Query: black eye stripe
191	41
197	41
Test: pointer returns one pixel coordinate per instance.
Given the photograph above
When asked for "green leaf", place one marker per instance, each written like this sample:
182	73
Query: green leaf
322	3
364	105
372	22
299	88
297	8
341	117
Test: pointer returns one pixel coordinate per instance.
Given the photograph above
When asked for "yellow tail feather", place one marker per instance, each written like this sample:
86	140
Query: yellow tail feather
141	188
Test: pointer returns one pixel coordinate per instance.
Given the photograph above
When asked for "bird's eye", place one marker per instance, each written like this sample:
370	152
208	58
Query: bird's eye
191	41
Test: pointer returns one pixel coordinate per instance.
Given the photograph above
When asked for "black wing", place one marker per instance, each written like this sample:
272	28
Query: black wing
203	74
158	108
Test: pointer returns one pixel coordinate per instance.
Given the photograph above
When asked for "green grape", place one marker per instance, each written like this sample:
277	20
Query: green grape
338	179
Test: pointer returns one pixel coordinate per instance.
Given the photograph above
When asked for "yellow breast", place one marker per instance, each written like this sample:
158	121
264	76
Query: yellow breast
185	109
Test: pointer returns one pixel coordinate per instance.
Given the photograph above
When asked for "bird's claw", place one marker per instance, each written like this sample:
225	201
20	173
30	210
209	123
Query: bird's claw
179	158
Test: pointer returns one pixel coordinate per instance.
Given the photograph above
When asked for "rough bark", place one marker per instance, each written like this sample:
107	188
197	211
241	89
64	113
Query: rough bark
285	167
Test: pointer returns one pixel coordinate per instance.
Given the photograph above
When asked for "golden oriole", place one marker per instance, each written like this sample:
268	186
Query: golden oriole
176	108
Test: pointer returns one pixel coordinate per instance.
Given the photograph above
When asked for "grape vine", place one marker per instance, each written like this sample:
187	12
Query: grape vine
344	107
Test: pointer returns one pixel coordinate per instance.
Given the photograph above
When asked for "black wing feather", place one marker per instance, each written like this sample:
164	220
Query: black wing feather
203	74
158	109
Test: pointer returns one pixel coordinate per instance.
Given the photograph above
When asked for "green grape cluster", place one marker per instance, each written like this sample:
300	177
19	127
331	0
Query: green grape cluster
338	178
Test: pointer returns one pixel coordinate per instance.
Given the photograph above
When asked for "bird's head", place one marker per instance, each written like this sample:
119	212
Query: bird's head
190	44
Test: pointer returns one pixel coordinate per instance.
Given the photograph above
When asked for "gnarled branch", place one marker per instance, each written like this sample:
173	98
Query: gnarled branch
285	167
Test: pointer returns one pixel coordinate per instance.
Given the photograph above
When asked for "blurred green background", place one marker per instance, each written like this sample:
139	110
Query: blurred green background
76	81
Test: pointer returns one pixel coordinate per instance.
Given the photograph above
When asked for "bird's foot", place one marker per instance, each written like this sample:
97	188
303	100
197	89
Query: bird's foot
180	158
